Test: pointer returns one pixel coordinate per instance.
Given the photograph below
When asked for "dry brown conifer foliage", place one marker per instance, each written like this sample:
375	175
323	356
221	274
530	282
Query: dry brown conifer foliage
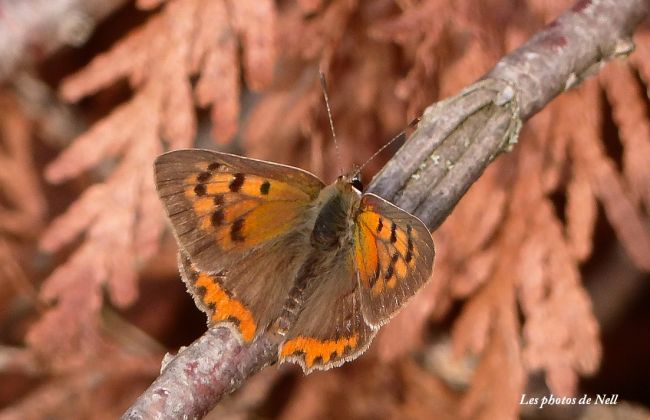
508	298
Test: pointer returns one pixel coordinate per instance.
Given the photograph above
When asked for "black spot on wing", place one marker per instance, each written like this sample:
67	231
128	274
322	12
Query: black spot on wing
217	217
375	276
234	320
393	233
218	200
409	247
391	266
265	187
203	176
199	190
214	166
237	182
380	225
236	230
298	352
389	272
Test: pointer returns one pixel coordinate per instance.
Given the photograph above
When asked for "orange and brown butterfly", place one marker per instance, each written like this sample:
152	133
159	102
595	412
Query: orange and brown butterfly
266	247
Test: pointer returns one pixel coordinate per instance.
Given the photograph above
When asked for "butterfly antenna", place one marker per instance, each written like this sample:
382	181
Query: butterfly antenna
323	86
400	135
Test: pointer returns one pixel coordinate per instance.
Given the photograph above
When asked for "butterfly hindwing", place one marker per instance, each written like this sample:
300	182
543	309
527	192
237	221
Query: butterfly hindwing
224	206
249	296
212	298
393	254
330	329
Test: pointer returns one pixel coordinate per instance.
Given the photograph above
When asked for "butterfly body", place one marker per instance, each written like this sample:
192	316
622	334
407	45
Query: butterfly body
269	248
332	226
331	233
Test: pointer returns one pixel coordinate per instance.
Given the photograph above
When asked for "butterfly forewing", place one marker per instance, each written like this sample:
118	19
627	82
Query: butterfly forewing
393	253
224	206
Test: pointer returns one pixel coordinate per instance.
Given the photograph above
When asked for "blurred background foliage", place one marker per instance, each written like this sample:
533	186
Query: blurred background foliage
541	280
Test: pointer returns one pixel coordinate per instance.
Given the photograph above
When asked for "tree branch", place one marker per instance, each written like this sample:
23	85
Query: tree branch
467	132
455	141
193	381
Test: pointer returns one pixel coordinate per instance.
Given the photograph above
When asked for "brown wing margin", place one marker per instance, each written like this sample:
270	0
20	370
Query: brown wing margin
183	162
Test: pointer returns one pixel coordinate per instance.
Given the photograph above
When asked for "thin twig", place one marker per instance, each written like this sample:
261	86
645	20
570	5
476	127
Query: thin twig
455	141
459	137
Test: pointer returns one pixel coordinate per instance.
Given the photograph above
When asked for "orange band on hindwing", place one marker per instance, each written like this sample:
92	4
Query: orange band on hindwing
225	307
312	349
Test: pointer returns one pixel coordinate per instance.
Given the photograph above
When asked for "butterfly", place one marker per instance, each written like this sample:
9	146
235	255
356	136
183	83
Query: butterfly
265	247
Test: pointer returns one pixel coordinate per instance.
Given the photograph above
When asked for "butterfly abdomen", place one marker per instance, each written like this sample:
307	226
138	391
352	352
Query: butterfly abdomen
331	232
295	300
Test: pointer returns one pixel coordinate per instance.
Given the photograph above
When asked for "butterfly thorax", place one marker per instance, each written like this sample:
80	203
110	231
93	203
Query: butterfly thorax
332	227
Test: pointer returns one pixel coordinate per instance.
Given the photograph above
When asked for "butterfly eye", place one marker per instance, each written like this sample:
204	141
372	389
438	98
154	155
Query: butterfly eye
356	183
